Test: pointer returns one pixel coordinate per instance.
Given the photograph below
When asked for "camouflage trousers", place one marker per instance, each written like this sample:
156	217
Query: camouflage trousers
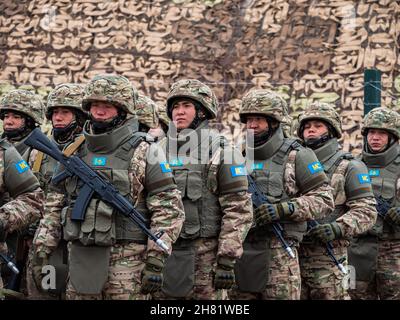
124	275
284	281
385	283
204	266
321	279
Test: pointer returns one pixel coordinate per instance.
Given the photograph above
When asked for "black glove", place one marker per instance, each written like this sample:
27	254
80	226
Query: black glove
224	277
269	213
152	277
393	216
326	232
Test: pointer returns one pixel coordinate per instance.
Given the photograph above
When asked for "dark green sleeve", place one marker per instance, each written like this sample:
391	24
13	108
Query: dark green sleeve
358	183
18	177
309	171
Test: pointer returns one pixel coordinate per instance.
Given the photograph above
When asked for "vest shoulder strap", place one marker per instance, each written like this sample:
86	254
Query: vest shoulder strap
70	149
283	152
38	162
125	152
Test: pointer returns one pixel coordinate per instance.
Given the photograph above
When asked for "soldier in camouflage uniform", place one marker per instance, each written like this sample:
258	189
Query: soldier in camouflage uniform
320	128
294	182
21	112
64	110
109	256
23	204
213	184
376	253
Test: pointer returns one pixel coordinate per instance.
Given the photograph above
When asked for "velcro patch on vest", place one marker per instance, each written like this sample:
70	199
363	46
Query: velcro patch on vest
238	171
315	167
99	161
374	172
21	166
363	178
165	167
176	162
257	166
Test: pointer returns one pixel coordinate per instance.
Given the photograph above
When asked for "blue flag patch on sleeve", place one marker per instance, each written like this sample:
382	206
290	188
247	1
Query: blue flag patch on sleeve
257	166
363	178
99	161
315	167
165	167
374	172
237	171
21	166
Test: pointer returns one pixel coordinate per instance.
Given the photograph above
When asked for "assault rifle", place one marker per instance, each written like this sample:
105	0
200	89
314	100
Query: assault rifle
329	250
92	183
258	199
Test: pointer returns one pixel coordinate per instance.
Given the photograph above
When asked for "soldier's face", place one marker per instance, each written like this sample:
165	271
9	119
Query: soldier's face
183	114
377	139
313	129
13	121
103	111
62	117
258	124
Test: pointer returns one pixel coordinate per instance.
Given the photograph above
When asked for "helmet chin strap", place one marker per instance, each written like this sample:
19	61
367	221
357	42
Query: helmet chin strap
315	143
106	126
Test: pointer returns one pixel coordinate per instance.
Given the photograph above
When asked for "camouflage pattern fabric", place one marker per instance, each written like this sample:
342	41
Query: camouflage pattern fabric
167	215
382	118
320	111
25	102
386	282
263	102
111	88
124	281
68	95
321	279
162	114
146	112
195	90
284	281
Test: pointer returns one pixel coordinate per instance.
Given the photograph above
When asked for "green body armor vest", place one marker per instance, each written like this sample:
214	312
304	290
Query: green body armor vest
384	170
202	209
102	225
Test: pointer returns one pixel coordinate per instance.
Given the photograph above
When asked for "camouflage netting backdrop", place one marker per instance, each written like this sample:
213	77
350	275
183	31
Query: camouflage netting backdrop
310	50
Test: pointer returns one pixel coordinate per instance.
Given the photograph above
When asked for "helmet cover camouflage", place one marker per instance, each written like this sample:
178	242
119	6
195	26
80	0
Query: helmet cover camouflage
146	111
263	102
67	95
25	102
195	90
320	111
111	88
384	119
162	114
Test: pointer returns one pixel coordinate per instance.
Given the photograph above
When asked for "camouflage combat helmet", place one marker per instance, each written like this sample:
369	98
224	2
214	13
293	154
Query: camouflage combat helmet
195	90
111	88
384	119
263	102
162	114
320	111
25	102
146	111
67	95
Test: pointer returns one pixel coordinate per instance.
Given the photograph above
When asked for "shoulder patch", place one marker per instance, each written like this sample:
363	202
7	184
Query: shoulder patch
315	167
21	166
374	172
363	178
165	167
237	171
257	166
99	161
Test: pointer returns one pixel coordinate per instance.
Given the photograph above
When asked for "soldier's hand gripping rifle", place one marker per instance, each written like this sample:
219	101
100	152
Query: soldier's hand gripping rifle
258	198
93	182
329	249
9	263
382	206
